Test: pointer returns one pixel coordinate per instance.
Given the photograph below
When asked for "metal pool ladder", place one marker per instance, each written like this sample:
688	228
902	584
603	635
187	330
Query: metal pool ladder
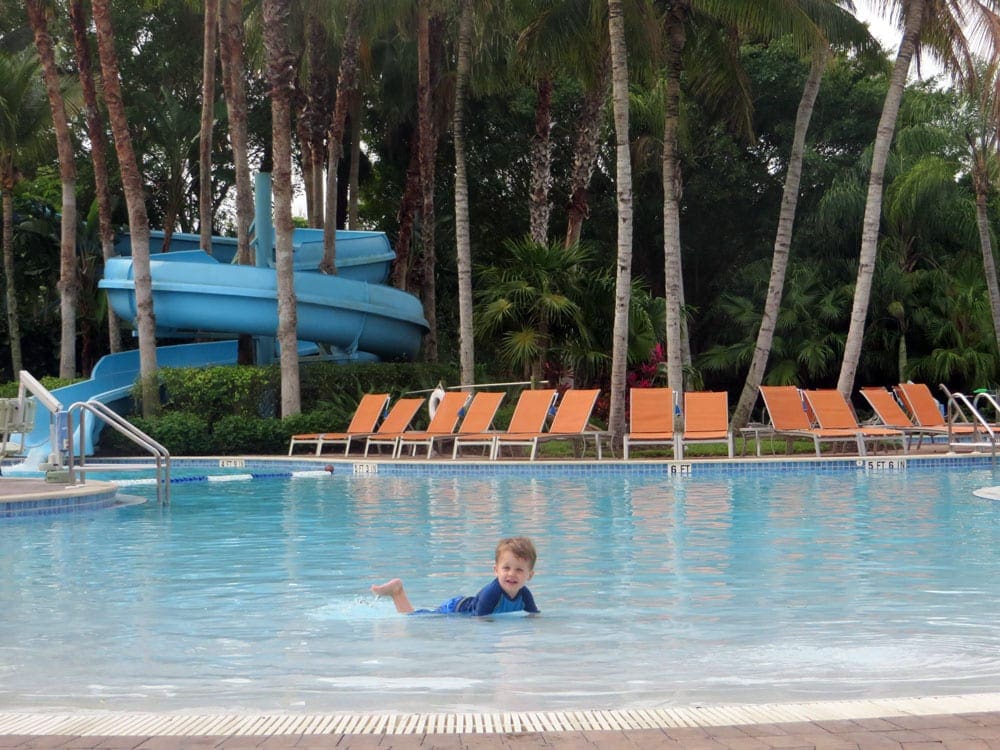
960	408
99	410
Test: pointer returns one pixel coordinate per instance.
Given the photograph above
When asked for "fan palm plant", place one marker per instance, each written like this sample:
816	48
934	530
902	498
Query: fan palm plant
529	304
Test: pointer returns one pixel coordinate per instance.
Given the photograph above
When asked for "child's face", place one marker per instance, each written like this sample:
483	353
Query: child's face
512	572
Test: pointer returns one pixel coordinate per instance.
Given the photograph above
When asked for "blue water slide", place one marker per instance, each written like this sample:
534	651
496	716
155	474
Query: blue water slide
196	295
111	382
362	256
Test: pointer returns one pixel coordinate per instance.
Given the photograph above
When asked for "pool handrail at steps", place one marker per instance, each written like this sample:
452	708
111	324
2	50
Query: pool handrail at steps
959	408
161	456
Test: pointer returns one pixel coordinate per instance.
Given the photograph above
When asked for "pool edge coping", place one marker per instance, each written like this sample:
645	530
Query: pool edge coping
103	723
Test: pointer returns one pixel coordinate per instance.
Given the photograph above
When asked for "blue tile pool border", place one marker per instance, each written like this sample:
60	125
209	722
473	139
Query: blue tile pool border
95	495
666	468
77	499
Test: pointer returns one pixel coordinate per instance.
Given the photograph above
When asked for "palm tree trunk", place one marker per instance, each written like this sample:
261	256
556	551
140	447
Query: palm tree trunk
539	206
315	116
989	263
463	241
585	154
673	276
300	106
138	220
280	71
346	83
231	55
354	172
207	123
782	243
913	23
623	278
69	287
98	151
428	154
407	216
317	153
10	290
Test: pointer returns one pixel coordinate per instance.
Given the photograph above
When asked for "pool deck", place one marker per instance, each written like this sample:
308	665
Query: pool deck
969	722
948	731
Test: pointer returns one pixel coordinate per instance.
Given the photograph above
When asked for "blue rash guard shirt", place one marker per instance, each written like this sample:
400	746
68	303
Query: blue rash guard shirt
491	600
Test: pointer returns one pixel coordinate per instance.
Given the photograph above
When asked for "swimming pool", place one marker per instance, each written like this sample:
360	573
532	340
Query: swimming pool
655	591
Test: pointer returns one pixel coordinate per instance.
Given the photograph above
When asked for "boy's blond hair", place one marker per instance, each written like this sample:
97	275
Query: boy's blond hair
519	546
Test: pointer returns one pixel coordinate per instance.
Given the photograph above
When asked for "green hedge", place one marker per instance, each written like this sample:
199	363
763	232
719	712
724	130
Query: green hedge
9	390
234	410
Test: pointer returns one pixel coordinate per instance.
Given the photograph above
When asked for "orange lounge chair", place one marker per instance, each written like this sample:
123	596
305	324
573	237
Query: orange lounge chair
363	422
479	416
395	422
706	420
789	419
443	423
569	423
529	417
833	411
651	419
926	410
891	414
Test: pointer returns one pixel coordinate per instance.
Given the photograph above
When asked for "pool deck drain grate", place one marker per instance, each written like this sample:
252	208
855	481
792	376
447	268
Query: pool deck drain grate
126	724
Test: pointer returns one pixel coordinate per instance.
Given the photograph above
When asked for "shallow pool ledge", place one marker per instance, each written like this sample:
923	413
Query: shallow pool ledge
36	497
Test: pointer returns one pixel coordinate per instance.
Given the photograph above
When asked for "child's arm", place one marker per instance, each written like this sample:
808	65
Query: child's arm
488	598
529	602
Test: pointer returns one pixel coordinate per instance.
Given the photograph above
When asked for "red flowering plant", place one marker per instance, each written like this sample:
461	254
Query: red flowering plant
644	375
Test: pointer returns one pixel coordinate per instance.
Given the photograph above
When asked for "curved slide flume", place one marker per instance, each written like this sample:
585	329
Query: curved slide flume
111	382
194	294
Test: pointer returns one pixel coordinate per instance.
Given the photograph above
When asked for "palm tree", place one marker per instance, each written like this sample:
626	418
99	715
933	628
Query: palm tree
568	37
280	73
207	124
169	139
842	27
980	81
138	219
939	23
315	110
675	18
428	141
98	149
234	88
782	243
537	51
25	118
69	286
623	277
463	241
346	85
590	128
928	225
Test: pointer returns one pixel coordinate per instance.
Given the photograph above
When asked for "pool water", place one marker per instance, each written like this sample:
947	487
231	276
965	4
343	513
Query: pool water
654	591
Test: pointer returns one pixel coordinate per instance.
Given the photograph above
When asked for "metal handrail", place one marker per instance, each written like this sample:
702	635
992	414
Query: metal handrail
28	383
959	403
989	398
129	430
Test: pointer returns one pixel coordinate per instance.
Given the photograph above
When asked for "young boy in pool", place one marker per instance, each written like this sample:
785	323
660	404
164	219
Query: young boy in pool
514	565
